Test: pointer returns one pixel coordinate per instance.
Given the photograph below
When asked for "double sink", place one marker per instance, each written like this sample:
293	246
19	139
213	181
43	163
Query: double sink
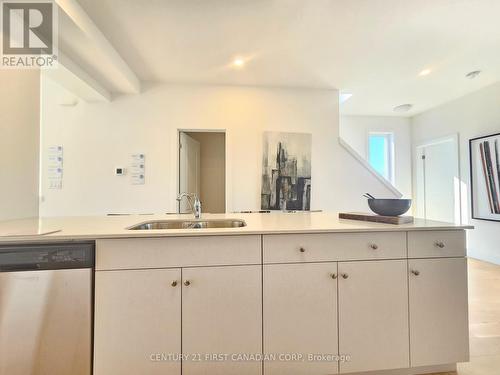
189	224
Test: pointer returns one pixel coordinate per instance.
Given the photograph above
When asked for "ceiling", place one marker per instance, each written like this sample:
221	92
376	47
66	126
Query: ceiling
373	49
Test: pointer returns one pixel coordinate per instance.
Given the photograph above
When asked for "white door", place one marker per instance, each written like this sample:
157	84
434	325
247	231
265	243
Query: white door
438	186
137	322
373	315
438	311
222	314
300	316
189	168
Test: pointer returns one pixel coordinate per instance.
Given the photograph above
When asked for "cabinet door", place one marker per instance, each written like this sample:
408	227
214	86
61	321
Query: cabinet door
373	315
222	314
137	322
300	316
438	311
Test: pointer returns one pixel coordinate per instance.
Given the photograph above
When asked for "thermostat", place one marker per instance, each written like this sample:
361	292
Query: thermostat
119	171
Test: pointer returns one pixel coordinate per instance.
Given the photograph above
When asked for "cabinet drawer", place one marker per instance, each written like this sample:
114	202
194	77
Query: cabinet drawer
177	252
292	248
436	244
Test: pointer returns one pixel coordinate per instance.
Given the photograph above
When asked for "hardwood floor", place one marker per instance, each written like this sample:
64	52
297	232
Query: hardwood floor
484	320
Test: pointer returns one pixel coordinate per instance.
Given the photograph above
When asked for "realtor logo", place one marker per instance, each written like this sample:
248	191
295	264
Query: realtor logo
29	34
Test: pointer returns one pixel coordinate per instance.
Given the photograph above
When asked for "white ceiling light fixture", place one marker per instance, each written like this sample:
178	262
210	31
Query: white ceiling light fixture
425	72
473	74
403	108
238	62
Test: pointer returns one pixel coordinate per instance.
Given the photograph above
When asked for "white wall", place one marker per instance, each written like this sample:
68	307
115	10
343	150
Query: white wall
97	137
354	130
19	140
471	116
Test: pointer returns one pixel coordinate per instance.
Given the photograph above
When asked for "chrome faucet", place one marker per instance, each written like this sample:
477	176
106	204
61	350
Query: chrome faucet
194	203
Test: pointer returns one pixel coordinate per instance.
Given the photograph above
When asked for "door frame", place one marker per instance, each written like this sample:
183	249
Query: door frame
178	162
185	208
459	190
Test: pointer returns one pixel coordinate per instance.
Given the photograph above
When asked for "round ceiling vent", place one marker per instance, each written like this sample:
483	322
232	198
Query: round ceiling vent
403	108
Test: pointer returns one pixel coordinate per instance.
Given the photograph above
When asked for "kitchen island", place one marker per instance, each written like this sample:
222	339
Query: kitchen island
302	293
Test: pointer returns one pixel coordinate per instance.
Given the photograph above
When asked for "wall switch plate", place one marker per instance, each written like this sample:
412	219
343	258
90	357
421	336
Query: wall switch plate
120	171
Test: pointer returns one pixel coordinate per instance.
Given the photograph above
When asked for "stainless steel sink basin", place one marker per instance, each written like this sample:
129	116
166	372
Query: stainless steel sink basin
189	224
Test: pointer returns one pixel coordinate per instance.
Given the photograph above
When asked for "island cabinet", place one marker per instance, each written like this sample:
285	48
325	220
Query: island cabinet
373	315
146	318
328	312
222	315
294	304
137	319
300	318
438	297
397	301
438	311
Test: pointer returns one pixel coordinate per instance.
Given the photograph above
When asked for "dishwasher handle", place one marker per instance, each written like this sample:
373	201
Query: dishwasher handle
24	267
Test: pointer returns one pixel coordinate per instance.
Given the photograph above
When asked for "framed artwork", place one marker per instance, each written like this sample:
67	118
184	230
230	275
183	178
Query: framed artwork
286	171
485	177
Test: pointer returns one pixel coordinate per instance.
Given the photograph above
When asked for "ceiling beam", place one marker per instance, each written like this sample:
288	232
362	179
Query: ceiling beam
76	80
85	23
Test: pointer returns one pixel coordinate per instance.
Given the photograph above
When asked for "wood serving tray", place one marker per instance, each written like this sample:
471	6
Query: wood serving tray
396	220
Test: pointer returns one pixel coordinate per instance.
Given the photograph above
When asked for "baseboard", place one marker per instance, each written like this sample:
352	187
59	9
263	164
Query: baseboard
484	257
413	371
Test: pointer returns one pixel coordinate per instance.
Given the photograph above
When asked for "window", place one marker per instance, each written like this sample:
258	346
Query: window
381	154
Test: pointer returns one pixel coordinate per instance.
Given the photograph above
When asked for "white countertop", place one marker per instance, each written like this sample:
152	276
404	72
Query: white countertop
90	227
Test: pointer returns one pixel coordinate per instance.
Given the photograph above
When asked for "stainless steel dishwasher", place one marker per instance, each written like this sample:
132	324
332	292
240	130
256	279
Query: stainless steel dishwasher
46	293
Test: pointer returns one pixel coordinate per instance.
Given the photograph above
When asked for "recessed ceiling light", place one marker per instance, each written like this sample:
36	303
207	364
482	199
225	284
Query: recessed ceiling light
472	75
238	62
403	108
424	72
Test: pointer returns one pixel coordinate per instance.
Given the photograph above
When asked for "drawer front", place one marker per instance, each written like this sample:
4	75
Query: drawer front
293	248
437	244
177	252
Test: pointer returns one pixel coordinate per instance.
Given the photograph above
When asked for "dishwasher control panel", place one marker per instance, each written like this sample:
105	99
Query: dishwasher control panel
47	256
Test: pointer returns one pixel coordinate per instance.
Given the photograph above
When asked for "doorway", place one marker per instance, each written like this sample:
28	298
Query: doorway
202	169
438	188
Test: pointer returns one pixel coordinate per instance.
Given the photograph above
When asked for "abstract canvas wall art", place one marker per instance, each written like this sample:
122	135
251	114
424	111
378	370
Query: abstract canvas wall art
286	171
485	177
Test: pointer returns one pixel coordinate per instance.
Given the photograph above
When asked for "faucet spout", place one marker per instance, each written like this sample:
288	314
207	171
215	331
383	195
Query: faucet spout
194	203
